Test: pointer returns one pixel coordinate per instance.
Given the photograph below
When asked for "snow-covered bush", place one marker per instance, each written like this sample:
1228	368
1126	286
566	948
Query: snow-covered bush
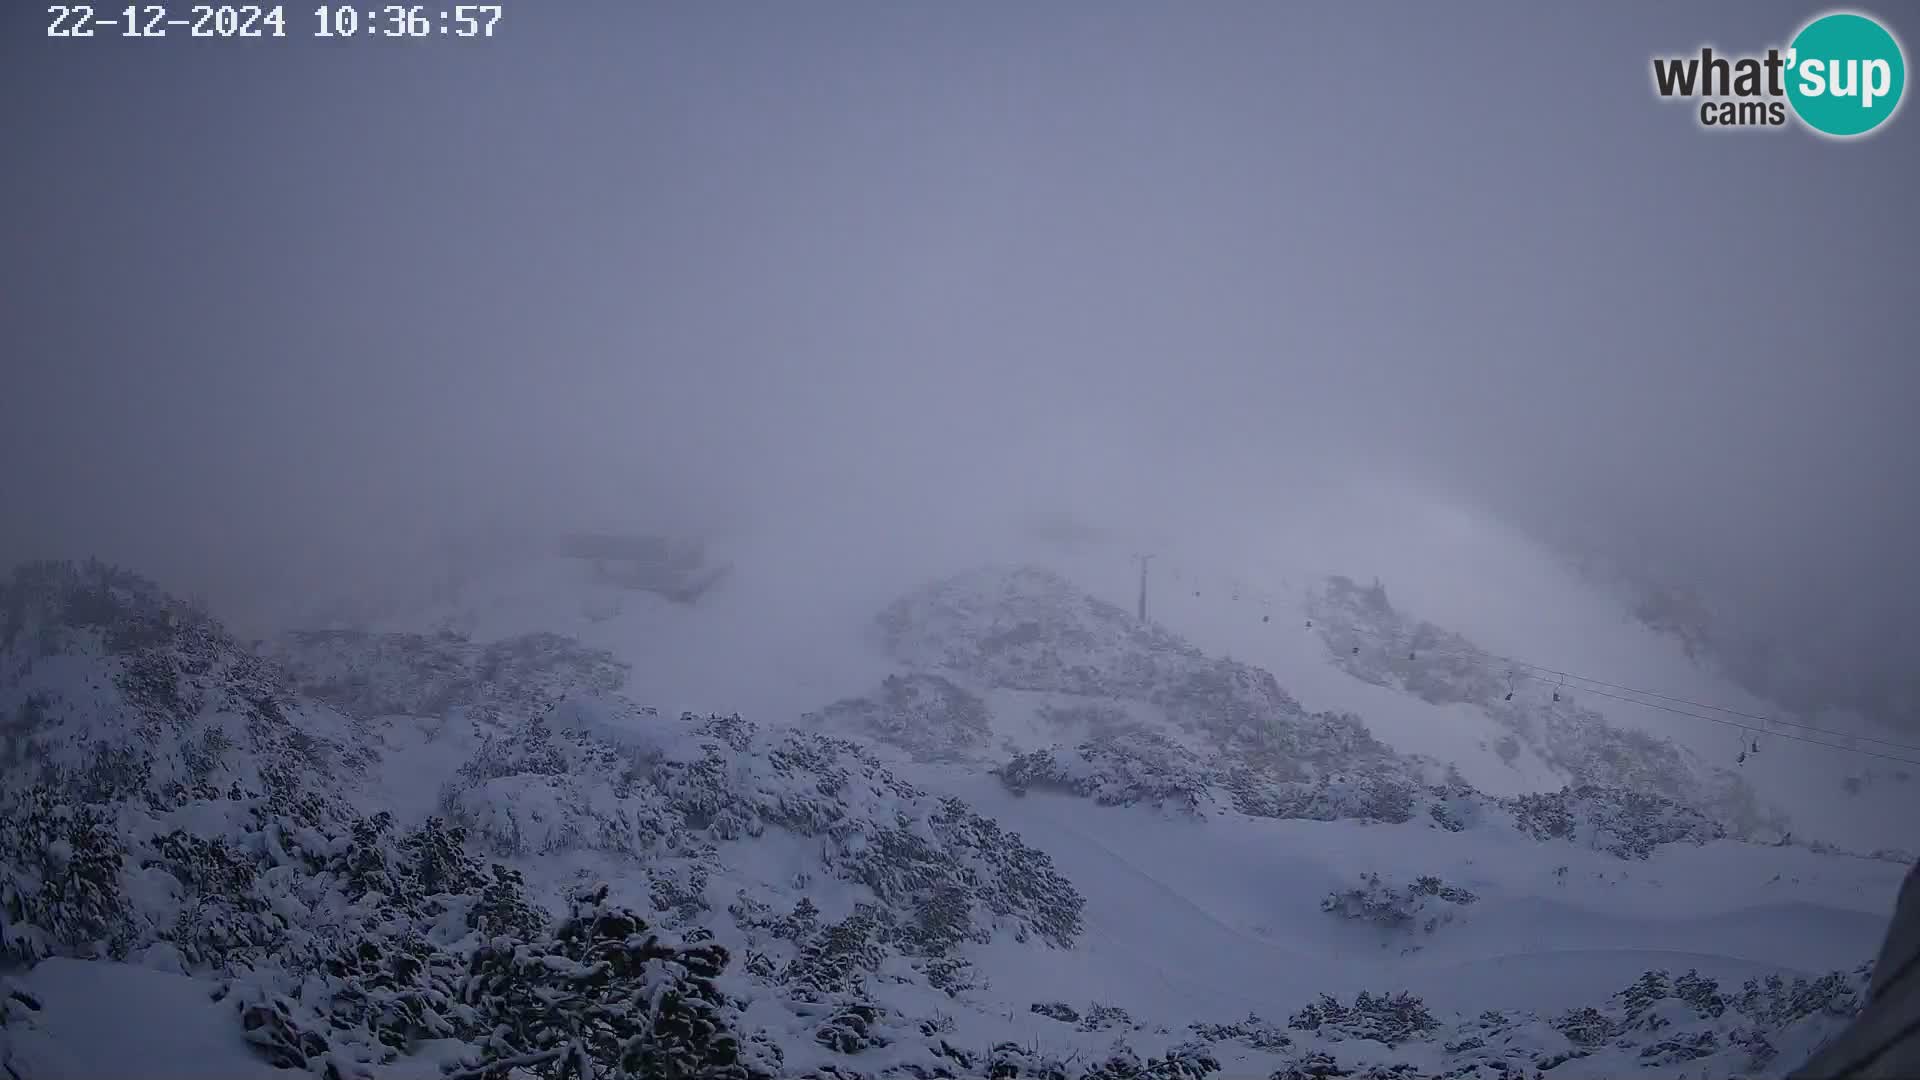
1055	1010
1386	1018
1623	823
1424	903
1657	1022
222	918
1252	1032
852	1028
1116	769
603	995
929	716
836	960
1010	1061
1775	1002
1663	1020
1179	1064
1101	1016
1381	797
60	879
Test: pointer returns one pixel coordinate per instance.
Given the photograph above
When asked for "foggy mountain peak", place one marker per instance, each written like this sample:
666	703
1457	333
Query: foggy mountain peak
843	278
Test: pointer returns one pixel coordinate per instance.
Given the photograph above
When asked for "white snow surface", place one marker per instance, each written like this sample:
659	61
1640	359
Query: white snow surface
168	1027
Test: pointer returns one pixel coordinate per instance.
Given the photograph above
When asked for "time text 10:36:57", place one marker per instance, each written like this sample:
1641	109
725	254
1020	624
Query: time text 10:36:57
257	21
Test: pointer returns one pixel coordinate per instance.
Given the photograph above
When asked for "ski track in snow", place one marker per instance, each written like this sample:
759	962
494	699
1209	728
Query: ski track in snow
1513	949
1163	929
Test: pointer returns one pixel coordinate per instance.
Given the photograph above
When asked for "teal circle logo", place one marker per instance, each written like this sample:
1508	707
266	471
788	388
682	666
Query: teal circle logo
1845	74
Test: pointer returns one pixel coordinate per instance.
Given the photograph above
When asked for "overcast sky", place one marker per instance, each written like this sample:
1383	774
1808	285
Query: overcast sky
266	302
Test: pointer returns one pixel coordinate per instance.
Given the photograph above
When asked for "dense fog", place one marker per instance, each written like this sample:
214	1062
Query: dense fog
888	273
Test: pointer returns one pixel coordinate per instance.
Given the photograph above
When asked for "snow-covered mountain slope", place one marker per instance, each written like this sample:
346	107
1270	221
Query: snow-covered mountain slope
789	631
1022	835
1449	700
1495	594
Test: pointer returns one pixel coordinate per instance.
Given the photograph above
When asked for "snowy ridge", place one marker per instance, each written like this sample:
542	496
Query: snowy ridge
1537	612
1155	721
1369	639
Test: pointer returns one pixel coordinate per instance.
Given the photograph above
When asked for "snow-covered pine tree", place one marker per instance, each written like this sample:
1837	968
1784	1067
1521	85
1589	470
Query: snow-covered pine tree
60	865
603	997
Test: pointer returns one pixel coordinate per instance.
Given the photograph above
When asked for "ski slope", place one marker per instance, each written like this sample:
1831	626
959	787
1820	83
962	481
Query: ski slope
1244	893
